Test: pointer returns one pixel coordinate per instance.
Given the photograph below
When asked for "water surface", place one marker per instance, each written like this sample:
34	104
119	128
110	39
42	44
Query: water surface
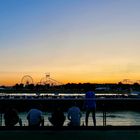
115	118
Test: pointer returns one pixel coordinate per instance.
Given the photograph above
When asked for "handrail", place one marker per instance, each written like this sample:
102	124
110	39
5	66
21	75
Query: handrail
104	103
76	99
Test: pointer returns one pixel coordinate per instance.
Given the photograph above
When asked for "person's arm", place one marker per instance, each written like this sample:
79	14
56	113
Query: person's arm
42	120
69	116
28	116
80	114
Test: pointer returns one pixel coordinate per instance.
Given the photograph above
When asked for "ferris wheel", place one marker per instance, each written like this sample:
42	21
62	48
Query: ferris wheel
27	80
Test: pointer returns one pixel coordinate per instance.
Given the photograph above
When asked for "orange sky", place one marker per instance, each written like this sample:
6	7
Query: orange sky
76	41
12	79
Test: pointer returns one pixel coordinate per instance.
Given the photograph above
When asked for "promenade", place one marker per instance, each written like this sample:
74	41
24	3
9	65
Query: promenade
66	133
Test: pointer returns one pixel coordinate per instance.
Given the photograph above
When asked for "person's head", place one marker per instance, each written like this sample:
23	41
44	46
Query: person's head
36	106
89	88
10	108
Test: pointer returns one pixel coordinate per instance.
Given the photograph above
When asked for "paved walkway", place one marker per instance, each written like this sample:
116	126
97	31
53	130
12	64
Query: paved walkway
65	133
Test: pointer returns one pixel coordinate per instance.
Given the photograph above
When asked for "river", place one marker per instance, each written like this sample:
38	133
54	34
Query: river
114	118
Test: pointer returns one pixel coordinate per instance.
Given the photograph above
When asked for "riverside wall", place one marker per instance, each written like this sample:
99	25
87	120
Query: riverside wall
64	104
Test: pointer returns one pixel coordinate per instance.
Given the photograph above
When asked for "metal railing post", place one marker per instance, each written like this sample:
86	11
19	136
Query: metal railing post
0	119
104	115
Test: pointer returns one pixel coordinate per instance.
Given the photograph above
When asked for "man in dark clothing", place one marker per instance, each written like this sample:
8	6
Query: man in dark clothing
11	117
57	118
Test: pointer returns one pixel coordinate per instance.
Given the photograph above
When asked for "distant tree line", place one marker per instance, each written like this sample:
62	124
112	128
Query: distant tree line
72	87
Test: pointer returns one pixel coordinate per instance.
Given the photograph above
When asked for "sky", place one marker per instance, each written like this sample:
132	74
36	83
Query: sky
75	41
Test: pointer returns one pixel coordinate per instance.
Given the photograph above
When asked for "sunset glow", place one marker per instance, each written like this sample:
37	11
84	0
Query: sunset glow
95	41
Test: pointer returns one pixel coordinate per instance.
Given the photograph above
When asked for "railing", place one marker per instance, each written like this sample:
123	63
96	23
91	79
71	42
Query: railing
105	106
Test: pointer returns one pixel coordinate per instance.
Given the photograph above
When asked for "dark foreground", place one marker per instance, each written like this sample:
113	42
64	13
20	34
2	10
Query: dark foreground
67	133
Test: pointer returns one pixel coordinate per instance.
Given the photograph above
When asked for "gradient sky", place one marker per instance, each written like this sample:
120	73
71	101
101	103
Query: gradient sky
73	40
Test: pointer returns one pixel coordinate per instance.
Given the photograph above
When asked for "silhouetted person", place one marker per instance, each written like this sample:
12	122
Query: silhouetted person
74	115
57	117
35	117
90	106
11	117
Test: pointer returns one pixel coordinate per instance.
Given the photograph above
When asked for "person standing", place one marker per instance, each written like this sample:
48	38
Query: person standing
74	115
90	106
